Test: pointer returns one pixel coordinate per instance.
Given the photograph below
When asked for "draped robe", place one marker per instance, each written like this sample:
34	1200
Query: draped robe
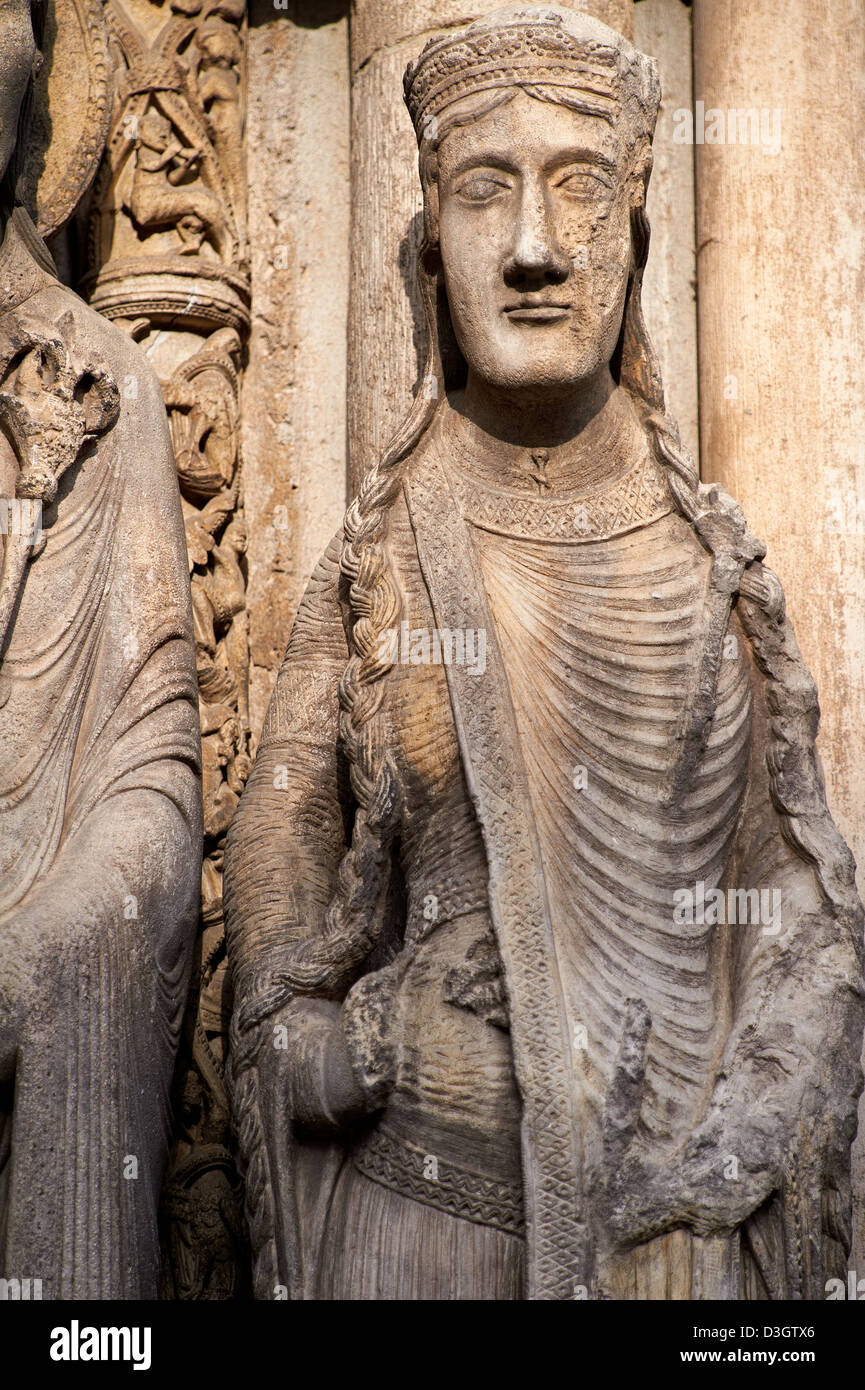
536	873
100	828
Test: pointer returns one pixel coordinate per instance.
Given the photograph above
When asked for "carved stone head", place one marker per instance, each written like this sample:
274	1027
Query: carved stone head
535	128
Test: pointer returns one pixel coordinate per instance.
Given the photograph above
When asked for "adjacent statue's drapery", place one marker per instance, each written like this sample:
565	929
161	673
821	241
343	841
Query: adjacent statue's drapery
476	1052
100	820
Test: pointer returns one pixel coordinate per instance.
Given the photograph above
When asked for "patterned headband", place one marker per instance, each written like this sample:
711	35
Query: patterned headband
534	47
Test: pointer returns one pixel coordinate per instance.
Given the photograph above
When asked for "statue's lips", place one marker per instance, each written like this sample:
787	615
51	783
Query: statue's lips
537	313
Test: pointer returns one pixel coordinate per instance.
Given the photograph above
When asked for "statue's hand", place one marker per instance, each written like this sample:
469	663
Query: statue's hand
704	1186
326	1066
366	1018
711	1183
305	1070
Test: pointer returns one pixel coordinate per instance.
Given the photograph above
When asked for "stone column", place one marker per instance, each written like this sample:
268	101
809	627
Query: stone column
384	305
781	250
293	424
663	29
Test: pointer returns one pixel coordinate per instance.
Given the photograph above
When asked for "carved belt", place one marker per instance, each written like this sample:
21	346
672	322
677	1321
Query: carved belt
438	1182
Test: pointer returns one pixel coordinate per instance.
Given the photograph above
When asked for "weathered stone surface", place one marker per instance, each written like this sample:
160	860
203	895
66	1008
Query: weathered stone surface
226	214
546	952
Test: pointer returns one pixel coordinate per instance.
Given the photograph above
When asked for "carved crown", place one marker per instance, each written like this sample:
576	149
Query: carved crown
537	46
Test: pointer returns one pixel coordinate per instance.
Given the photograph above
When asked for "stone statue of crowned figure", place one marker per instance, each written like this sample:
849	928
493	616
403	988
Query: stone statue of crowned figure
547	965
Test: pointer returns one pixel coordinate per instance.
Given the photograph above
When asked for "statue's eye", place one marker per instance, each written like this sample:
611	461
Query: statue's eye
480	188
582	183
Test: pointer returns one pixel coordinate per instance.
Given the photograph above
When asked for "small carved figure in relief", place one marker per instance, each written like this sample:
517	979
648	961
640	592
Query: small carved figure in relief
219	93
547	974
166	190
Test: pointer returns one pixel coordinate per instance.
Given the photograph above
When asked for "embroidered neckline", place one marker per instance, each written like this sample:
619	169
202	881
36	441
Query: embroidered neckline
635	500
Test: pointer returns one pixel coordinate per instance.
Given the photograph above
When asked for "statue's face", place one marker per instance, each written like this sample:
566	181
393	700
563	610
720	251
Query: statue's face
17	51
534	228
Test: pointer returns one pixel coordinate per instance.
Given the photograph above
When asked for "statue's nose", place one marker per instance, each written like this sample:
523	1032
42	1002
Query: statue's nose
537	258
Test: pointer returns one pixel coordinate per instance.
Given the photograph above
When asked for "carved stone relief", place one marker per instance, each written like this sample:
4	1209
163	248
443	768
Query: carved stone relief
169	262
454	1033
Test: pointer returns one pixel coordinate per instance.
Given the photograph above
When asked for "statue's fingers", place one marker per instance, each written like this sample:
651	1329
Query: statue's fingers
625	1095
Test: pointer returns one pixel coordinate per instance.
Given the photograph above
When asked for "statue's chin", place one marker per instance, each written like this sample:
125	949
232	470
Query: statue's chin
537	380
541	357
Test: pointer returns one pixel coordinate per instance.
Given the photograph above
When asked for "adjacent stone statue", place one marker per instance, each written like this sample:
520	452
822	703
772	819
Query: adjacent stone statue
100	810
546	951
